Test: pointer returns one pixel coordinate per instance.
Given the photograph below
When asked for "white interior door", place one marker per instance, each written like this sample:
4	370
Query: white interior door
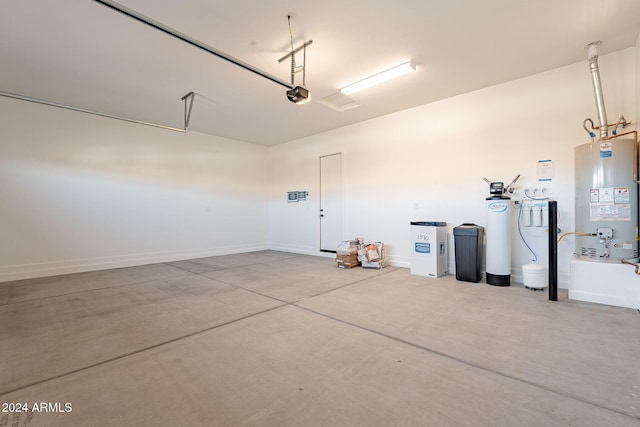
330	202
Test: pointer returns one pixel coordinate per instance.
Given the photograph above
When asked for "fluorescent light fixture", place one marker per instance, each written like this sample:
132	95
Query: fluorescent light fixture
383	76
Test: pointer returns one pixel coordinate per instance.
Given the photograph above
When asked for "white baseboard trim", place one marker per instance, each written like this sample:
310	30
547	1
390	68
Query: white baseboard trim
55	268
516	273
563	278
302	250
399	261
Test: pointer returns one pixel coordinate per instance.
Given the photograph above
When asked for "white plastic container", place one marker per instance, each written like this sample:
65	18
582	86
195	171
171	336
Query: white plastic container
429	248
535	276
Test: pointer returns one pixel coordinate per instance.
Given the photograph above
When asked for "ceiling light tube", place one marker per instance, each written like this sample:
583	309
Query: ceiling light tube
383	76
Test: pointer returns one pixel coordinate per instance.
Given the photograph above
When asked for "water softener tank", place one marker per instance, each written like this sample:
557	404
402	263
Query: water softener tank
606	200
498	237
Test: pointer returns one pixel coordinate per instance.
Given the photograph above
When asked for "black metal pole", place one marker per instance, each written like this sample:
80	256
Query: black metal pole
553	251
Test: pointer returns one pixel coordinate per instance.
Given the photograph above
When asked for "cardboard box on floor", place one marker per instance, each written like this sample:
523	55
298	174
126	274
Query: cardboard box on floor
347	261
347	253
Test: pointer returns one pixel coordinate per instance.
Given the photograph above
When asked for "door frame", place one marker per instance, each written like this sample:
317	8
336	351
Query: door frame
339	153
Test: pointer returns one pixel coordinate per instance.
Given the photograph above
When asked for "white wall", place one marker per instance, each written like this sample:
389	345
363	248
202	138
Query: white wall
638	79
427	163
80	192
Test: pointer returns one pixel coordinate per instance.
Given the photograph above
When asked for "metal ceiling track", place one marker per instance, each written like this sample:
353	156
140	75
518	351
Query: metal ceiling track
188	104
188	98
298	49
190	40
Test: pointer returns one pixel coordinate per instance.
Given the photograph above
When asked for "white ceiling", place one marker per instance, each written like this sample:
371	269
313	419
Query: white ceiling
81	53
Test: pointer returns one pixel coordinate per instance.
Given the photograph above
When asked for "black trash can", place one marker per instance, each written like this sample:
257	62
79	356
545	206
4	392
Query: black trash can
468	248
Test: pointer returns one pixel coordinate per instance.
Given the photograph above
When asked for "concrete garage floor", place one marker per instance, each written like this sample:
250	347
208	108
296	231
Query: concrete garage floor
272	338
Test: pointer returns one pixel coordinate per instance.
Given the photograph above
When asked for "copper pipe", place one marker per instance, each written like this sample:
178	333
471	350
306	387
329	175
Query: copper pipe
611	124
624	261
619	135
